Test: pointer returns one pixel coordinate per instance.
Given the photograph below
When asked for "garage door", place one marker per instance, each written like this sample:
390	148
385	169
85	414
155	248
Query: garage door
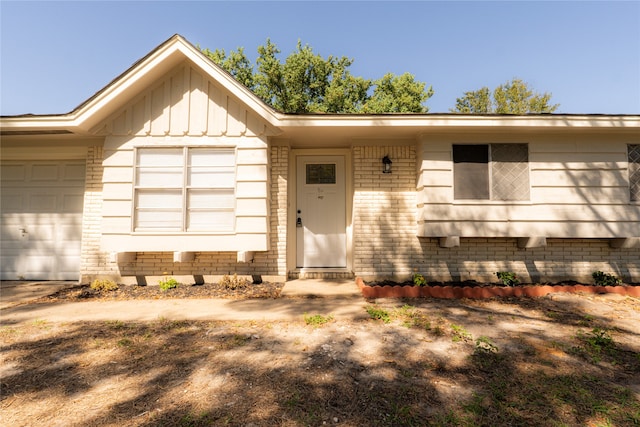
41	220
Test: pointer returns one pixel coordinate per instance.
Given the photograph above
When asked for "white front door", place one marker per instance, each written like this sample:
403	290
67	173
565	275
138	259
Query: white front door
41	211
321	212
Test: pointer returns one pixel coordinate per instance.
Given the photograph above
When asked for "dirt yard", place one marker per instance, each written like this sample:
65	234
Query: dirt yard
562	360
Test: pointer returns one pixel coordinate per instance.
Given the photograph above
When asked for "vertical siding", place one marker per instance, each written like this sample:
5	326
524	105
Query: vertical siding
185	102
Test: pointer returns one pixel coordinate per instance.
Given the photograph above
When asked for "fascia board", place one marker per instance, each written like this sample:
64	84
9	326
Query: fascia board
452	122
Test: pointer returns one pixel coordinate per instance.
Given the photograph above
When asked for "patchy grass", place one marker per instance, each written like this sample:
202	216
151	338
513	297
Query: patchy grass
512	365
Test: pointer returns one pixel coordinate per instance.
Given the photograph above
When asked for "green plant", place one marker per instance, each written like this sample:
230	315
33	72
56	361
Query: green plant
484	346
233	282
459	333
508	278
317	319
168	283
103	285
379	313
605	279
419	280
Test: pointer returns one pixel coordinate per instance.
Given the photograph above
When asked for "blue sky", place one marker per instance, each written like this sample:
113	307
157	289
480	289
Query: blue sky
55	55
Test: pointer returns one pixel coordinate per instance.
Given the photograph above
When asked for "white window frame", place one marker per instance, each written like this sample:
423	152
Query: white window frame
188	185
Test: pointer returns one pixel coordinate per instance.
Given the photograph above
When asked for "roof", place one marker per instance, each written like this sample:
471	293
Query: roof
145	71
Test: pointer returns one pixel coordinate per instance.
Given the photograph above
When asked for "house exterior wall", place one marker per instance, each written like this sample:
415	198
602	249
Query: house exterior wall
386	208
184	109
579	189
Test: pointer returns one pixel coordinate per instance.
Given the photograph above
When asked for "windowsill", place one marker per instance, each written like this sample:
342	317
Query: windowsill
183	233
493	202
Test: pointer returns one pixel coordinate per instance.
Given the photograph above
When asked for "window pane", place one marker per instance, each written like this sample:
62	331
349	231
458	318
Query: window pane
159	199
211	157
211	199
510	172
160	157
470	172
159	177
159	219
634	173
204	220
321	174
212	177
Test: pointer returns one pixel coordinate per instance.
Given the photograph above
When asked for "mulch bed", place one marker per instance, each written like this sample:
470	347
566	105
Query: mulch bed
207	290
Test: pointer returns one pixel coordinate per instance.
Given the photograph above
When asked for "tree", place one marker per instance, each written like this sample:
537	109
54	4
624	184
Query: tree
512	97
398	94
307	82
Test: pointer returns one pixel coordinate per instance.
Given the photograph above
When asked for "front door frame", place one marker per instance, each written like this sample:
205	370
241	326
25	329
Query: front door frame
291	214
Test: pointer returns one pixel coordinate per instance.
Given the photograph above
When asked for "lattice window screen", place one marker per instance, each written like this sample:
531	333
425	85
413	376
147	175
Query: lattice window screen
634	173
510	171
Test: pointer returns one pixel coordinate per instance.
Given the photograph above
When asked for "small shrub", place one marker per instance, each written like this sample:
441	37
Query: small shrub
168	283
459	333
508	278
379	314
419	280
604	279
485	346
104	285
233	282
317	319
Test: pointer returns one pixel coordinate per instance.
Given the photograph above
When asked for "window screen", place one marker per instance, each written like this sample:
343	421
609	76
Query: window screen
634	173
491	171
471	171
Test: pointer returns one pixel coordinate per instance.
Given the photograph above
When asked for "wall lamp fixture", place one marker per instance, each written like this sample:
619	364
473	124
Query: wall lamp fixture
386	164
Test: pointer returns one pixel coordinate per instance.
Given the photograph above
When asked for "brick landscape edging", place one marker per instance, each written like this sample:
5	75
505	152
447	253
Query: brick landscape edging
455	292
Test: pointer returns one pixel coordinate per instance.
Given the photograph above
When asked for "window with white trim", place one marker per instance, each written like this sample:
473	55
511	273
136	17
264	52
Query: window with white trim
184	189
634	172
491	172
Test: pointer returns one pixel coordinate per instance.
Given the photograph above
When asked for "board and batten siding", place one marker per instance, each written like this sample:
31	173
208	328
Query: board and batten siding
185	108
579	189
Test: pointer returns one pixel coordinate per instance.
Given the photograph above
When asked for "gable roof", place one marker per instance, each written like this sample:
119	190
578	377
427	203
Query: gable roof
124	87
176	49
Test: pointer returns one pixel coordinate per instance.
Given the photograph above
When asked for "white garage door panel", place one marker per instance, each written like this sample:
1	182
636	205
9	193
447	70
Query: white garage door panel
41	220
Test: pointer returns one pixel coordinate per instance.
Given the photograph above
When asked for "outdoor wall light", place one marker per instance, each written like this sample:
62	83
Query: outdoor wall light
386	164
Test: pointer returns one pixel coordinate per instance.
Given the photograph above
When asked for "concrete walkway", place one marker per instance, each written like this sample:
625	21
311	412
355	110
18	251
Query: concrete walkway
342	300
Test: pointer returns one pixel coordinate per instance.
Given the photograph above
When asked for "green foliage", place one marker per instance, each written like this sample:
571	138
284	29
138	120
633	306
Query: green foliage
317	319
419	280
104	285
484	346
508	278
168	283
398	94
459	333
308	83
604	279
594	344
411	317
512	97
378	313
234	282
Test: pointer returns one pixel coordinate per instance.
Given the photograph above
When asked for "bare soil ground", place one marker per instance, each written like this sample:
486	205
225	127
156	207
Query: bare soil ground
563	360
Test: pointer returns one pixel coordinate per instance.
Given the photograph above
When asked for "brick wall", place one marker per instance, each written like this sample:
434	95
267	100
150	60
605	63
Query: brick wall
94	262
384	209
386	246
